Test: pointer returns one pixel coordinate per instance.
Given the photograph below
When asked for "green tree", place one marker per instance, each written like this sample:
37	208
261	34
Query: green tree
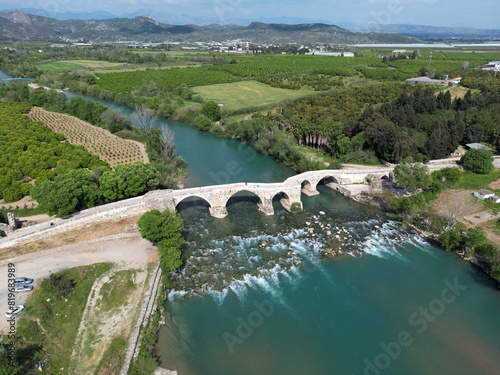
451	239
474	237
143	365
73	190
412	175
164	229
341	145
128	181
211	109
478	161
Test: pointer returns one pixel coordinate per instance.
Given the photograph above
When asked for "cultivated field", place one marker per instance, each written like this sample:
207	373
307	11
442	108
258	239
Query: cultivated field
458	91
243	94
110	148
78	64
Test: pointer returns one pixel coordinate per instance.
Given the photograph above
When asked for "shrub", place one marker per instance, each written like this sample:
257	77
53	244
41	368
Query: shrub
212	110
478	161
452	174
202	122
164	230
486	248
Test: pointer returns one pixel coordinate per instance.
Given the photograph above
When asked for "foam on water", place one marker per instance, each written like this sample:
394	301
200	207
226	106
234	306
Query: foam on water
263	261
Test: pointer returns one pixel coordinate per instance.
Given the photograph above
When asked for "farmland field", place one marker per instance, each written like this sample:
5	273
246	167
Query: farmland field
77	64
110	148
243	94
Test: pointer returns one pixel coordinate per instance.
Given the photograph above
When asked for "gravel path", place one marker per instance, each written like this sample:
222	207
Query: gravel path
121	249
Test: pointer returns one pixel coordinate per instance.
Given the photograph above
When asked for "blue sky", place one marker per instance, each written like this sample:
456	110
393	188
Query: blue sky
459	13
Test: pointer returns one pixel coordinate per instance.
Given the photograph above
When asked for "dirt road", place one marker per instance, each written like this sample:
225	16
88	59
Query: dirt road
129	250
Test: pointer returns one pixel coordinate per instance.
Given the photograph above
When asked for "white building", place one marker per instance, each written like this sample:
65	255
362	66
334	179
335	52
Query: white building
495	199
483	194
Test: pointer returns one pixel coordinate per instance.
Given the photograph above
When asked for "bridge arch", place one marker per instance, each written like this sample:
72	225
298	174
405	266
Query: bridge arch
243	196
328	180
305	185
191	201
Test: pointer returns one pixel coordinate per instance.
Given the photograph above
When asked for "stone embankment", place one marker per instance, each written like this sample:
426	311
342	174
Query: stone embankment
147	309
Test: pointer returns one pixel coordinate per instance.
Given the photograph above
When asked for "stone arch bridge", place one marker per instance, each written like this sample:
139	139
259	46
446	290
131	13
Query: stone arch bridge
288	192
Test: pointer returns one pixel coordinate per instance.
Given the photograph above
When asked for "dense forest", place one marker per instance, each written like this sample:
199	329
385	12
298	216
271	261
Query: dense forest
417	123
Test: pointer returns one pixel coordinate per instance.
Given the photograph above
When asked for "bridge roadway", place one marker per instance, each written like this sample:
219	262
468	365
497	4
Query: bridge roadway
217	196
288	192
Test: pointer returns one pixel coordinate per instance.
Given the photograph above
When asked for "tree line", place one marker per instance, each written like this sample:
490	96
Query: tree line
83	188
394	121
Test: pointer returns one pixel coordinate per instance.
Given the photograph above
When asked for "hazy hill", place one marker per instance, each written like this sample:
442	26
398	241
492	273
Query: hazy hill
18	25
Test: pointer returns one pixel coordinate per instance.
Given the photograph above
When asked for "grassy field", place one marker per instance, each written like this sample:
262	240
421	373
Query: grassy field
110	148
243	94
52	335
77	64
457	91
473	181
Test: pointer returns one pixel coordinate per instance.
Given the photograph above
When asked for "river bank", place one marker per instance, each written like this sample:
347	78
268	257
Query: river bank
429	233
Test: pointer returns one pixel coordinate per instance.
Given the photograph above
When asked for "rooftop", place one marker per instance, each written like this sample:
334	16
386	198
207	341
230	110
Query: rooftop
485	192
477	146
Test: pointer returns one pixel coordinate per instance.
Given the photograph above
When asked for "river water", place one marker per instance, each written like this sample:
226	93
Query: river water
261	294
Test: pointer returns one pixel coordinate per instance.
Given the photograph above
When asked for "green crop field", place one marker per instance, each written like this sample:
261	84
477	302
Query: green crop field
243	94
77	64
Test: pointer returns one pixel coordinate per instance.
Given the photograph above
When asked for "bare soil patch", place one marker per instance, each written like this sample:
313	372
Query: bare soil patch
495	185
450	202
26	200
492	235
100	324
84	233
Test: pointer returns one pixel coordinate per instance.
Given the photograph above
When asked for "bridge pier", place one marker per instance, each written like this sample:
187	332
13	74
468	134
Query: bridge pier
287	204
310	191
220	212
266	205
333	185
292	198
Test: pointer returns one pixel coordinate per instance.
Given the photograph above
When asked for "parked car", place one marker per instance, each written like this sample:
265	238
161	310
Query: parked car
23	288
14	311
22	280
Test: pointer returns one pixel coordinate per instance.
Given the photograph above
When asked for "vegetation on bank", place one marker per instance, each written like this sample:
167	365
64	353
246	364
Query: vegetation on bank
388	121
417	123
443	223
81	188
48	327
163	229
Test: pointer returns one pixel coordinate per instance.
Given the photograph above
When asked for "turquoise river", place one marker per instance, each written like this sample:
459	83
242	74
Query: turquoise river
259	295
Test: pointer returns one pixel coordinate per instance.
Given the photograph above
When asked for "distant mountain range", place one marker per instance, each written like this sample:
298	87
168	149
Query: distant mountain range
17	25
172	18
